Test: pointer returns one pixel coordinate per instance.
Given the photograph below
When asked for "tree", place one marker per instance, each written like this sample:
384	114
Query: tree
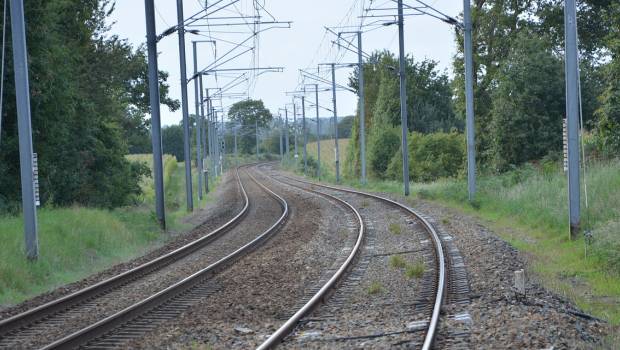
528	104
608	124
86	93
172	141
249	114
497	24
344	127
429	96
383	143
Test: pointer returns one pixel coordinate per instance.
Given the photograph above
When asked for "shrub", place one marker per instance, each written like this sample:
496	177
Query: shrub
431	156
312	164
383	143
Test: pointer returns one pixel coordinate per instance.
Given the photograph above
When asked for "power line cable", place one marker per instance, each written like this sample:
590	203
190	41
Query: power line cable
161	17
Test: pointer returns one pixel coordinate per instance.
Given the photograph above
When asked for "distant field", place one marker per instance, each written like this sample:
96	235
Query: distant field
328	158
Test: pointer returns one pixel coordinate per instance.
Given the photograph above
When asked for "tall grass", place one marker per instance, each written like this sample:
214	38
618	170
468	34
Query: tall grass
328	163
75	242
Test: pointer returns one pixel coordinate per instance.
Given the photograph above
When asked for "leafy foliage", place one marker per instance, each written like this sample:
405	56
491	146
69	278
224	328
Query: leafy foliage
383	144
88	100
528	104
249	114
502	27
432	156
172	141
344	127
608	124
429	98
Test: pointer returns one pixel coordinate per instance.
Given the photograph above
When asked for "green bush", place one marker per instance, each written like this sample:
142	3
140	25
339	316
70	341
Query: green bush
431	156
382	145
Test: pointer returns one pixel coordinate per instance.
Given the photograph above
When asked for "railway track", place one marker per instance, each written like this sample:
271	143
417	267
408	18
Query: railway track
145	314
329	285
435	287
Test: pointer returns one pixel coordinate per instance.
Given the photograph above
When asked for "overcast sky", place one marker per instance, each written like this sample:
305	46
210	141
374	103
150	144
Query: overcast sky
304	45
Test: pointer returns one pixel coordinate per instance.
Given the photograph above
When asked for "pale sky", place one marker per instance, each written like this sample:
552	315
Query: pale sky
304	45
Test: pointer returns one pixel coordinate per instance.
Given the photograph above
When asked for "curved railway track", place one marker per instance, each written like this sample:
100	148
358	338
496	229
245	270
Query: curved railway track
439	285
329	286
22	324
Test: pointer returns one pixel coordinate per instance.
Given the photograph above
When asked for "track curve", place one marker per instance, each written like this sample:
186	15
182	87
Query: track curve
438	251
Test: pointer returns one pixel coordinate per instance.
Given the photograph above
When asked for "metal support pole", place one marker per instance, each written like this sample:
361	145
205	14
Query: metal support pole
22	95
158	168
337	155
572	114
256	132
362	106
281	135
205	128
286	137
223	145
212	137
220	156
216	140
198	121
295	126
305	134
186	132
236	154
469	102
318	131
403	96
210	131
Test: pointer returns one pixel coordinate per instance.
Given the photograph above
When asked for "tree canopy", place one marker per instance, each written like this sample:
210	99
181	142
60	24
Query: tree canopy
249	114
88	99
430	107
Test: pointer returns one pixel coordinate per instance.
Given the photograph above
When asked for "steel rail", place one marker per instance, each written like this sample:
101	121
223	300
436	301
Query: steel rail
112	322
439	253
316	299
64	303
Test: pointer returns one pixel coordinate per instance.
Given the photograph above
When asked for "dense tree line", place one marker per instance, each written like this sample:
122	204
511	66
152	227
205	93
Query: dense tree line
519	89
519	77
430	107
89	100
247	115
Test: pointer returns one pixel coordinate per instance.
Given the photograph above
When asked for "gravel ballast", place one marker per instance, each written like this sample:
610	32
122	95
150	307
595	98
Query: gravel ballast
263	212
381	301
257	294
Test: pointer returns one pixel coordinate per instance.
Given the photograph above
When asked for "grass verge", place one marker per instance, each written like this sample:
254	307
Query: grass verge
76	242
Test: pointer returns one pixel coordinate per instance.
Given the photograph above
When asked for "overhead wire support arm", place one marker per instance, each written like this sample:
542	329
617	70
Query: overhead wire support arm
323	80
216	63
271	69
440	15
242	24
205	12
337	43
